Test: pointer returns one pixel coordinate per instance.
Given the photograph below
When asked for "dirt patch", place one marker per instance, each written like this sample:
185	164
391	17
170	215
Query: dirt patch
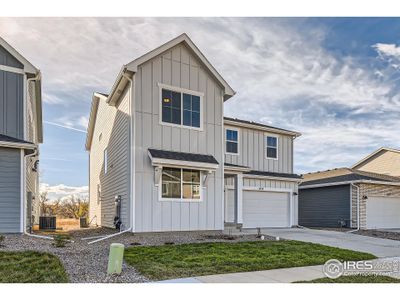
380	234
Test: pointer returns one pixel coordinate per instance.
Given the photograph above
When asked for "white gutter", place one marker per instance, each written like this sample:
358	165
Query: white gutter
350	182
358	207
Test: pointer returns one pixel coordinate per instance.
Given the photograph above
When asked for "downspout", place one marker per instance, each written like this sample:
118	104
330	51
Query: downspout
132	175
28	81
358	208
25	230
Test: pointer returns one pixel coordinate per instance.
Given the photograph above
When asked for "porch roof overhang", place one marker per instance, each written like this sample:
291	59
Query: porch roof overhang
165	158
10	142
273	175
235	168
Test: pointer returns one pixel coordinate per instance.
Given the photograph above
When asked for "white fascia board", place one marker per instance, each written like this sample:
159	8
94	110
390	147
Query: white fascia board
17	145
132	66
92	120
28	67
349	182
235	169
261	128
272	178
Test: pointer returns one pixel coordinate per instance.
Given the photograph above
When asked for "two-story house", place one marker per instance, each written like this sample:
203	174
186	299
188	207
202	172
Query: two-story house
20	135
163	158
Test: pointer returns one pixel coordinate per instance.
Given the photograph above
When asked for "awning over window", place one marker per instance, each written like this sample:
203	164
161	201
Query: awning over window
182	159
11	142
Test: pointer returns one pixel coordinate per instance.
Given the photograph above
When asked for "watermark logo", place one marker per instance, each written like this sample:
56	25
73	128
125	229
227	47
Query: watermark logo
333	268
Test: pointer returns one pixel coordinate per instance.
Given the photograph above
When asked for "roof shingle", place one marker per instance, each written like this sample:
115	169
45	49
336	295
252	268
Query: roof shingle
183	156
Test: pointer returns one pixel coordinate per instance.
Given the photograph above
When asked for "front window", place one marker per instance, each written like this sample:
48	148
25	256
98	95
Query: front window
180	184
271	147
180	108
232	141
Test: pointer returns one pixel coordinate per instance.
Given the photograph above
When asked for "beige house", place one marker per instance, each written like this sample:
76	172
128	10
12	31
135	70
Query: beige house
383	161
162	157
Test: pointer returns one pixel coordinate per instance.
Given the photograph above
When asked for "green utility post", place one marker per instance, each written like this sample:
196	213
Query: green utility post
115	258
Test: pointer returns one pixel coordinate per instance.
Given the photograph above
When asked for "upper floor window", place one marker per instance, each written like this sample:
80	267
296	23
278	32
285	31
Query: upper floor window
232	141
271	147
180	184
181	108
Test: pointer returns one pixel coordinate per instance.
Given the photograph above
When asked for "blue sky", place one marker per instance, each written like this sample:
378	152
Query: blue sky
336	80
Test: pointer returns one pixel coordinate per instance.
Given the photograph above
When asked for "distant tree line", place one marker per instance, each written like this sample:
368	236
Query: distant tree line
72	207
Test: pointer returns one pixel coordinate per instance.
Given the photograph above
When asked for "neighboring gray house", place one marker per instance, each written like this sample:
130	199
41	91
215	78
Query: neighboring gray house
163	158
20	134
349	198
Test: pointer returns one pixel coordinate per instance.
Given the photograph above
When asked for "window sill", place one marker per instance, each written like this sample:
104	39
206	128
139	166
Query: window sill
231	153
180	200
181	126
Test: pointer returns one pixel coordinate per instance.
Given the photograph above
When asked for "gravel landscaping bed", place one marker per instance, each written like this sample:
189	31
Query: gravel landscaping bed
88	263
390	235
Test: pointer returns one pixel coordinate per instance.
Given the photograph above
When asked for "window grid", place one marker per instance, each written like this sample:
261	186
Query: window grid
232	141
271	147
195	186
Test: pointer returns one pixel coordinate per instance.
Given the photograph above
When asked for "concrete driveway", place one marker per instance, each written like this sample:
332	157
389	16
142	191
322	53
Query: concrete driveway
376	246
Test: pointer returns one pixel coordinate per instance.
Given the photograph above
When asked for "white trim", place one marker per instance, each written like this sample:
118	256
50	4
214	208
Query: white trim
235	170
262	128
181	91
133	65
22	191
266	135
11	69
272	178
28	67
238	139
183	200
239	199
374	153
25	108
17	145
377	182
277	190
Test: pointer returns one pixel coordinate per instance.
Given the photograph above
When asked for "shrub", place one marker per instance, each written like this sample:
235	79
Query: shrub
2	238
60	240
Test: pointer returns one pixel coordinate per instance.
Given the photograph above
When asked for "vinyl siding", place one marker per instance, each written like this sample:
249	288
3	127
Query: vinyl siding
11	104
179	68
324	206
112	124
385	162
252	151
7	59
10	190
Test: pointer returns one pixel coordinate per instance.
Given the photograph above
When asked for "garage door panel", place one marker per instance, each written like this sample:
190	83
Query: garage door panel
265	209
383	212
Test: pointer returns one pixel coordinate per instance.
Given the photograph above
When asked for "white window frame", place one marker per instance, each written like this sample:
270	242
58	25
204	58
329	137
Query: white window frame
238	140
182	91
266	146
105	160
161	199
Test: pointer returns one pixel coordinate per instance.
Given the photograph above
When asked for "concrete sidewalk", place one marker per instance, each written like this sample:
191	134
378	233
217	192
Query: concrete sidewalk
289	275
269	276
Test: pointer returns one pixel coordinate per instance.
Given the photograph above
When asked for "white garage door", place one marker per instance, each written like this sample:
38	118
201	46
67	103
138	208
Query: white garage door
383	212
265	209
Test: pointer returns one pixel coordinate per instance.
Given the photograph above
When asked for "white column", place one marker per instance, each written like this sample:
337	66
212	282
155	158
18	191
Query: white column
239	198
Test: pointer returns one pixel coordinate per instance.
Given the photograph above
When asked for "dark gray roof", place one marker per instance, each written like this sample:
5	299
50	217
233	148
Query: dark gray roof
10	139
261	125
273	174
353	175
202	158
236	166
105	95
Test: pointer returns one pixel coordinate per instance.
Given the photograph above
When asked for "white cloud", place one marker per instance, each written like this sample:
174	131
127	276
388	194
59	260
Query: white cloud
282	73
63	191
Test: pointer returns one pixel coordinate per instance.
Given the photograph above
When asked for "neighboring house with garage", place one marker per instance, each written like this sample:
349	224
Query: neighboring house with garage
383	161
20	135
162	157
346	197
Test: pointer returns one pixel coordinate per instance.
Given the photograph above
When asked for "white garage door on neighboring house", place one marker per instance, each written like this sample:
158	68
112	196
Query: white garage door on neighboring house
266	209
383	212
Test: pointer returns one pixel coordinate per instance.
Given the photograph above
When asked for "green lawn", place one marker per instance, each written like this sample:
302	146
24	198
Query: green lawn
355	279
31	267
176	261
